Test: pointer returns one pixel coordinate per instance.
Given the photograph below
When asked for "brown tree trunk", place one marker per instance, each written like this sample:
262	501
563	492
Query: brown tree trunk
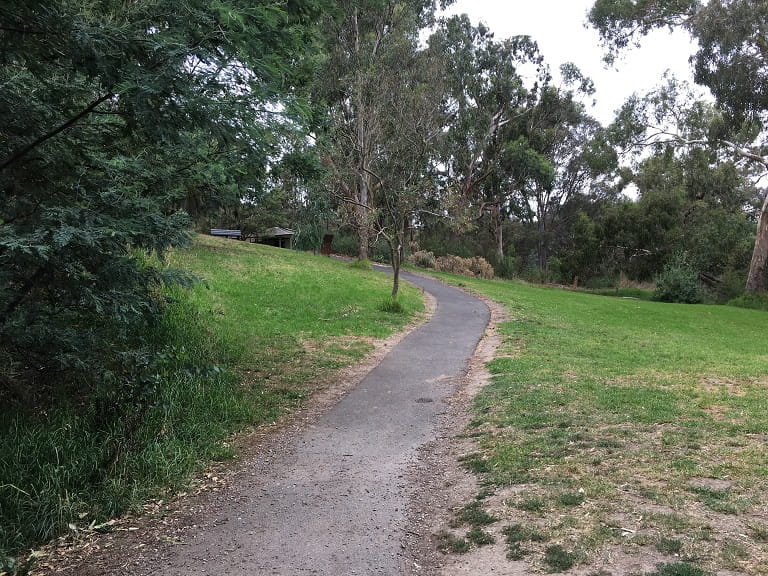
757	268
363	236
394	250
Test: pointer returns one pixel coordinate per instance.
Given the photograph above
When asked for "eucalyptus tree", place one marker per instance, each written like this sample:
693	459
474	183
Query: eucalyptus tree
732	61
363	41
115	116
485	92
561	152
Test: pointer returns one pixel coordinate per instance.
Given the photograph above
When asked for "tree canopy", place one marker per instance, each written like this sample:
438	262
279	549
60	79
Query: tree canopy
119	119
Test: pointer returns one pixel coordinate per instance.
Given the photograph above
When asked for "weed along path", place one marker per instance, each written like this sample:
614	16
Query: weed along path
332	500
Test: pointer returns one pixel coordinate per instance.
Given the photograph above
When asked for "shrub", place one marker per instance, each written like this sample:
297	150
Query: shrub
476	266
361	265
751	300
506	268
422	259
678	282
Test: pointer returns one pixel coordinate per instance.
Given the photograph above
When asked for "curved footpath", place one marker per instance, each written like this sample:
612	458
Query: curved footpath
333	502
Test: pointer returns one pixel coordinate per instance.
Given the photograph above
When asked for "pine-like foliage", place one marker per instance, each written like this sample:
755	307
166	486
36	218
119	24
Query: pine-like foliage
117	120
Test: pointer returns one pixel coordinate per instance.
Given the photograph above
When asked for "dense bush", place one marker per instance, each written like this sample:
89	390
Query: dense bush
678	282
476	266
422	259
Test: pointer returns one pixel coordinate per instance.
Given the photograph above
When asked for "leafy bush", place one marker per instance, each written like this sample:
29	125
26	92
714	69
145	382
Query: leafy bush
506	268
422	259
678	282
476	266
752	300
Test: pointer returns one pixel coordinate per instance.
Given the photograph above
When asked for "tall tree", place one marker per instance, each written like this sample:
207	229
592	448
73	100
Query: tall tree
732	61
360	38
485	93
564	154
115	116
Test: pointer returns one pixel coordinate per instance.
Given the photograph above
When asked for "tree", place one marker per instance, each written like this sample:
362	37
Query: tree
360	37
484	94
571	153
732	61
116	115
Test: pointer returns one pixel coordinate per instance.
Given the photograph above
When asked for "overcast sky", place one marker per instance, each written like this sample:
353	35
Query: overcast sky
558	28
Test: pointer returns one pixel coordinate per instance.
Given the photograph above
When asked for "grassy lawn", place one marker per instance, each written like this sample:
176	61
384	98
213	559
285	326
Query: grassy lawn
621	428
263	330
287	317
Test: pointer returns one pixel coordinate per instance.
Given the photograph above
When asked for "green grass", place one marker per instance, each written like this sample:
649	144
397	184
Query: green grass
262	332
604	407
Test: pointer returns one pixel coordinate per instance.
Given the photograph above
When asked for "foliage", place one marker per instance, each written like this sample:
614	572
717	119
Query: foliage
119	120
730	62
678	569
558	559
361	265
476	266
392	306
678	282
422	259
753	301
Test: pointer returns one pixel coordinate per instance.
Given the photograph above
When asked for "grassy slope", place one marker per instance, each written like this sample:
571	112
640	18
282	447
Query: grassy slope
287	316
607	414
264	329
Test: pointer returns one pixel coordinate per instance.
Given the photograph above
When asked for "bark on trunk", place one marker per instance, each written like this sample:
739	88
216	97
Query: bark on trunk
394	255
363	237
498	233
757	268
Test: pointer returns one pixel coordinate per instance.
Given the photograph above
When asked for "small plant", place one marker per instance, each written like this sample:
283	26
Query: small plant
447	542
669	546
532	504
480	537
361	265
559	559
475	463
392	306
570	499
678	569
759	532
515	551
474	515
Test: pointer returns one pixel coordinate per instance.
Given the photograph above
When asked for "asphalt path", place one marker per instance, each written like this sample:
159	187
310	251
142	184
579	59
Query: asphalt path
333	501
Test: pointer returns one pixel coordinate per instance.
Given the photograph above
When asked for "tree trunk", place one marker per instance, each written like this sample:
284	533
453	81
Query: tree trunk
394	254
498	236
542	245
363	235
757	268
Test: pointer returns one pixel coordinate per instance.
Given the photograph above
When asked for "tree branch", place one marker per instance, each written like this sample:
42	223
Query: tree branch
24	150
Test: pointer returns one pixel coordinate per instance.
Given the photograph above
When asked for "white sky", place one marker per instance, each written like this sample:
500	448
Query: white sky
558	26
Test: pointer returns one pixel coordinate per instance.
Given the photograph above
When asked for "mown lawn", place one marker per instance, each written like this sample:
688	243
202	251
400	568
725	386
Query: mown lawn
618	428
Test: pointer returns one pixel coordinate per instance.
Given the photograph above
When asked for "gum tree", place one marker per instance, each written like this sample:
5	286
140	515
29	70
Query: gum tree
732	61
